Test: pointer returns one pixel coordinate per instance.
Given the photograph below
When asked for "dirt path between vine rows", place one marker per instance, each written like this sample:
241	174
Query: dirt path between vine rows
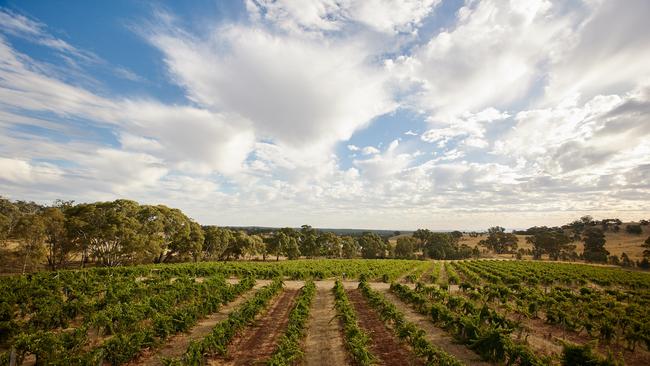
177	344
384	345
324	341
258	342
442	276
437	336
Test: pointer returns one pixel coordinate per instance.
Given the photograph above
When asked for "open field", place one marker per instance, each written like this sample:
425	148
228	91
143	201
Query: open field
306	313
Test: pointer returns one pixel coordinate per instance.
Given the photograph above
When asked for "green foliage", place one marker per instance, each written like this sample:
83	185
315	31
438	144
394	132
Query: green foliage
486	331
442	245
372	246
594	240
405	247
356	340
583	355
553	242
499	241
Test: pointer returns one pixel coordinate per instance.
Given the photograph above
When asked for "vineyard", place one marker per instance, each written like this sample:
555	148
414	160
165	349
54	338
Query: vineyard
328	312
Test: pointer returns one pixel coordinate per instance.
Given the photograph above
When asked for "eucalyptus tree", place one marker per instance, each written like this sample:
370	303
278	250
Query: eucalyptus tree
330	244
405	247
175	233
216	241
59	247
499	241
646	247
594	250
308	241
551	241
31	232
350	247
372	246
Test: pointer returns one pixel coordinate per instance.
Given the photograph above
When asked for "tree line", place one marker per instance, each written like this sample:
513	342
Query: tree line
124	232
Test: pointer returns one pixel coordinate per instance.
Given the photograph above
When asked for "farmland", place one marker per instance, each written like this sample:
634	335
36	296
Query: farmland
325	312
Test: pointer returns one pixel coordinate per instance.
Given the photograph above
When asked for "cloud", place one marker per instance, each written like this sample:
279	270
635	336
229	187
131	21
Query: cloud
34	31
263	78
353	148
369	150
490	58
17	171
604	59
390	162
605	135
467	128
192	138
386	16
410	133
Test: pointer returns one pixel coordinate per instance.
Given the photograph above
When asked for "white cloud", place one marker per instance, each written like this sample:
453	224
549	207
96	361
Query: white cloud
410	133
20	171
262	78
193	138
387	16
353	148
490	58
604	57
606	135
467	128
369	150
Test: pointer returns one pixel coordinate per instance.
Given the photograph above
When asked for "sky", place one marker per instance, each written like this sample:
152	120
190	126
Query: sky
382	114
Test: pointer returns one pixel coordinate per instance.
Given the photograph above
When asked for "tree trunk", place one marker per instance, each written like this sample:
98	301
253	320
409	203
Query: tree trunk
25	263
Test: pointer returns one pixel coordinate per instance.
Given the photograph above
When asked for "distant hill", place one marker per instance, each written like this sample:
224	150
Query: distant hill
350	232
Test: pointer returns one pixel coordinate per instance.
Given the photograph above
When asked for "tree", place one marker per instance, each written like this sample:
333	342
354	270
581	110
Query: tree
594	240
349	247
405	247
30	230
422	235
78	226
238	245
175	233
284	242
256	246
308	241
634	229
440	246
194	243
330	245
9	215
372	246
626	261
216	242
646	246
552	242
58	246
499	241
290	247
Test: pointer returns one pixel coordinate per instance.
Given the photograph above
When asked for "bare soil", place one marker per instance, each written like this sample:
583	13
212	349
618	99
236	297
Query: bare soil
257	343
324	342
385	346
